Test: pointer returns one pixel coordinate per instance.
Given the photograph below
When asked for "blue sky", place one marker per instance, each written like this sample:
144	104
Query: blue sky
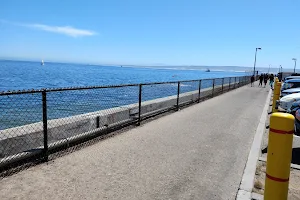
156	32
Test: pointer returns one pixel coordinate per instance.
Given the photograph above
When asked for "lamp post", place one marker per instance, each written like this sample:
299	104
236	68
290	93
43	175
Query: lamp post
255	60
280	69
294	59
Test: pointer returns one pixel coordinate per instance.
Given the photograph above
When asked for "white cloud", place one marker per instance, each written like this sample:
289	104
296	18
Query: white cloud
65	30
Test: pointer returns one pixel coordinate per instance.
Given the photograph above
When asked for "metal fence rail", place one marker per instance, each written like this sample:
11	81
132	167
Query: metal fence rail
37	123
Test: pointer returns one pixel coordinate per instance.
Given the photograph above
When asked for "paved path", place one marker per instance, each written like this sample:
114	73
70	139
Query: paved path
197	153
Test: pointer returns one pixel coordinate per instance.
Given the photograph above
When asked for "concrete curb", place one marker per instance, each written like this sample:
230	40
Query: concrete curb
246	186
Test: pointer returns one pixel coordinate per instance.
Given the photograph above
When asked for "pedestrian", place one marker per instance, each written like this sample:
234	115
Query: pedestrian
261	78
266	79
252	80
271	81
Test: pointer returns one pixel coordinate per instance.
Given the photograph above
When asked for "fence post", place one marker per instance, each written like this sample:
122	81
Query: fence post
222	84
178	92
97	122
229	83
199	93
213	88
233	87
45	128
279	156
140	104
234	82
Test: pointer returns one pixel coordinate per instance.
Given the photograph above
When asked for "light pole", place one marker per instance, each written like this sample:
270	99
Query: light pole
280	69
294	59
255	60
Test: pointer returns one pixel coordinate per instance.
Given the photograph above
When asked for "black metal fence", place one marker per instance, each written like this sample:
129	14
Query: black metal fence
37	123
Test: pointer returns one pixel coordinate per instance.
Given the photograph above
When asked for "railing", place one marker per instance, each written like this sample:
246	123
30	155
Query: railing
37	123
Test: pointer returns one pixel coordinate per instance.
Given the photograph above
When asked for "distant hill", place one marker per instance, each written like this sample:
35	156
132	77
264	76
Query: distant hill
222	68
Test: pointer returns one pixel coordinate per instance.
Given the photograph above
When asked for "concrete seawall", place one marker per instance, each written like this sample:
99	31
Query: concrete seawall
28	137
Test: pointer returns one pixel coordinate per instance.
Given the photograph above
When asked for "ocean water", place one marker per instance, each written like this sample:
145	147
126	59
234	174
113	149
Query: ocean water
22	109
19	75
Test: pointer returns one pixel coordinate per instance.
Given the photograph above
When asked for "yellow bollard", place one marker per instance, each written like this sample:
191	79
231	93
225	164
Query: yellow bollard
276	95
276	80
279	156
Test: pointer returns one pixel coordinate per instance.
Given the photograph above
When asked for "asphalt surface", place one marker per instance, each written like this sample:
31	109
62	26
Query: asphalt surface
197	153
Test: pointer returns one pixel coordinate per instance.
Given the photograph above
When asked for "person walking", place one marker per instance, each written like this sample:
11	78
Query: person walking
271	81
252	80
266	79
261	78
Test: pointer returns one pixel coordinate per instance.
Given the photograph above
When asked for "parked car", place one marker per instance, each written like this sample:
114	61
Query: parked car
285	103
291	77
295	110
291	83
289	91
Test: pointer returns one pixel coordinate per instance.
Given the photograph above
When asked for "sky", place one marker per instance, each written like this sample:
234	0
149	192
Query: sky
156	32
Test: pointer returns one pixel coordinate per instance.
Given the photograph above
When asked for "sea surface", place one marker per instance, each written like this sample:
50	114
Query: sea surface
22	109
19	75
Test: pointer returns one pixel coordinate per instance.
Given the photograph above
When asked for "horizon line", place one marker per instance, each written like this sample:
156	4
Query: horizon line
103	64
131	65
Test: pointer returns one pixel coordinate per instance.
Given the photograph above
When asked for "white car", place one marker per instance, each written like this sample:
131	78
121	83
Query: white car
285	103
289	91
291	77
291	83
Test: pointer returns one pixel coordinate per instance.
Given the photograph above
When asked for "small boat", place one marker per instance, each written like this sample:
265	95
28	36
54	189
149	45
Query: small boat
208	70
42	63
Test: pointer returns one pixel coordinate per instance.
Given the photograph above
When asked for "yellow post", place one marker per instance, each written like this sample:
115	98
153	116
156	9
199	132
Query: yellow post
276	95
276	80
279	156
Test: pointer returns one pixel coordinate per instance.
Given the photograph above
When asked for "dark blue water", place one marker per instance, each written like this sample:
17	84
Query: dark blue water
21	109
18	75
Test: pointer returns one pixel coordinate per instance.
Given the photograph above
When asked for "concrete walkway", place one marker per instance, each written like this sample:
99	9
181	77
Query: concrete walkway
197	153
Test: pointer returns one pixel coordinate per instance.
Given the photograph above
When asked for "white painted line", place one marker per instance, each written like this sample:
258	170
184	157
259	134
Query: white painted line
249	172
243	195
256	196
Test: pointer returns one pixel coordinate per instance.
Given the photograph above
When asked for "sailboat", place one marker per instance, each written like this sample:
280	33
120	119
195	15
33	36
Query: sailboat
42	63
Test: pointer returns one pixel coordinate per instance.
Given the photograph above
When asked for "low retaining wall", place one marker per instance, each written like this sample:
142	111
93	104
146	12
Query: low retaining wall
29	137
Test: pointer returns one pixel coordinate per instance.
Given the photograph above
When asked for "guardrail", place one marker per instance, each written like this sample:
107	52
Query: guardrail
37	123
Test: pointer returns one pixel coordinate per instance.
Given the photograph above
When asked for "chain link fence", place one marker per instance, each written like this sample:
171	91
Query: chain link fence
37	123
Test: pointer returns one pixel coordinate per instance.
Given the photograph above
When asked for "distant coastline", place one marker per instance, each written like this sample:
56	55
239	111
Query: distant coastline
169	67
